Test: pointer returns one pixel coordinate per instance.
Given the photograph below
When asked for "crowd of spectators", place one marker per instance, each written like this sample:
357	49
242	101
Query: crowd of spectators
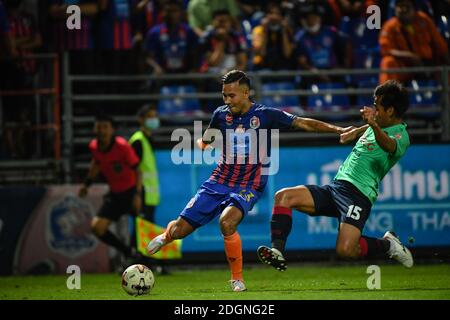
214	36
173	36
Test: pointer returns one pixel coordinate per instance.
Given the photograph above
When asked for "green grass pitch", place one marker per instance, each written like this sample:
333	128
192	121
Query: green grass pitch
263	283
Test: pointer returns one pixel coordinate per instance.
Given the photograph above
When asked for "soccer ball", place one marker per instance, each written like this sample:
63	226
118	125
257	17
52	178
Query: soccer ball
137	280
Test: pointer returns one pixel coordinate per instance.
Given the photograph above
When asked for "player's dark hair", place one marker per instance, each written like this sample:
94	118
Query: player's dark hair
220	12
103	117
413	2
236	75
145	109
393	94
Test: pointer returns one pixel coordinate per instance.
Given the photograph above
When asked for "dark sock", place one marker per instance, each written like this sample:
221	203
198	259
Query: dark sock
280	226
110	239
373	247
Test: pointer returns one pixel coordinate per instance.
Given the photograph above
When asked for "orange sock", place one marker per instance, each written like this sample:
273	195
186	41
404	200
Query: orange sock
233	250
167	235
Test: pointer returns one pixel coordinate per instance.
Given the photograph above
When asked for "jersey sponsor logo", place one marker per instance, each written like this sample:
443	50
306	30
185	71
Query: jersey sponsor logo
246	195
365	143
190	203
238	145
254	122
398	136
229	119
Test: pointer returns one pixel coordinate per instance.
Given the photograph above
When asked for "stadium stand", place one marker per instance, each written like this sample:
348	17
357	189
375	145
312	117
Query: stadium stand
279	101
177	106
122	90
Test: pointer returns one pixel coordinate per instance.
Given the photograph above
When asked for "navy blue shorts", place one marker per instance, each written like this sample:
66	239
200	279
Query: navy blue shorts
342	200
212	198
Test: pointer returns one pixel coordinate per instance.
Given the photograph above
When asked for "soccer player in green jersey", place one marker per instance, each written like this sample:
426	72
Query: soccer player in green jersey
350	196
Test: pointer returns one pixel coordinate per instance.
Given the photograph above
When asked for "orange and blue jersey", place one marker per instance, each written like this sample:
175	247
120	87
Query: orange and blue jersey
74	39
233	182
115	26
147	18
237	168
320	49
173	50
23	26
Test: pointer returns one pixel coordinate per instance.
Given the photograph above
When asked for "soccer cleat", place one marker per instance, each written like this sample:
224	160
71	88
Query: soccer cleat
272	257
156	244
398	251
237	285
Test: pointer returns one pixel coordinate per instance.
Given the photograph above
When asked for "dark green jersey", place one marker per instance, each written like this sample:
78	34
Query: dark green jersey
367	164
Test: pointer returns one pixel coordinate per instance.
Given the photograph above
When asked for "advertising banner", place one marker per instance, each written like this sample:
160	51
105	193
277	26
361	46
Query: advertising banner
54	231
414	199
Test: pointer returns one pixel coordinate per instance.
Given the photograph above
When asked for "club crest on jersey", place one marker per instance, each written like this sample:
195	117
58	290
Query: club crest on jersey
190	203
254	122
229	119
369	145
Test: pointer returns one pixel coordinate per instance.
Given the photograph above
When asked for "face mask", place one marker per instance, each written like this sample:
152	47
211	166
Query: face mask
151	123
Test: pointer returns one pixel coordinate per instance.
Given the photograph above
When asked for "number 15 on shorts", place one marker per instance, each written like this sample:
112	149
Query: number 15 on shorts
354	212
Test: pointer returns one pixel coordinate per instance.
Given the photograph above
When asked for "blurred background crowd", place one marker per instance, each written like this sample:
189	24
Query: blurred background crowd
170	36
163	37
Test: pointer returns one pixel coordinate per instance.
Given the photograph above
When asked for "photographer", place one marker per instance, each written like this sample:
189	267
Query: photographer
272	41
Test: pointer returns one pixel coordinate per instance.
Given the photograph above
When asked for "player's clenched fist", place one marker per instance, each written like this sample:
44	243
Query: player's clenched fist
202	145
368	114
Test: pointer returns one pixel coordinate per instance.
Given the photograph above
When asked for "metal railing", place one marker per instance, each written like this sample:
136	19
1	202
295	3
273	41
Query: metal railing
258	78
53	122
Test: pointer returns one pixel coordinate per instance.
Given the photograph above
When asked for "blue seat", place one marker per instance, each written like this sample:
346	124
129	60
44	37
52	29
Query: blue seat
426	99
328	102
279	101
173	105
365	59
365	47
361	37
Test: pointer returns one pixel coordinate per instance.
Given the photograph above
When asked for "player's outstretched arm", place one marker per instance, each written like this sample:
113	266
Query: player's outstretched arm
204	142
314	125
352	134
384	141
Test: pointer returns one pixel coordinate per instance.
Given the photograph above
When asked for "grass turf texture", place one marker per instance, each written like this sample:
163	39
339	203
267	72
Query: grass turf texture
298	282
